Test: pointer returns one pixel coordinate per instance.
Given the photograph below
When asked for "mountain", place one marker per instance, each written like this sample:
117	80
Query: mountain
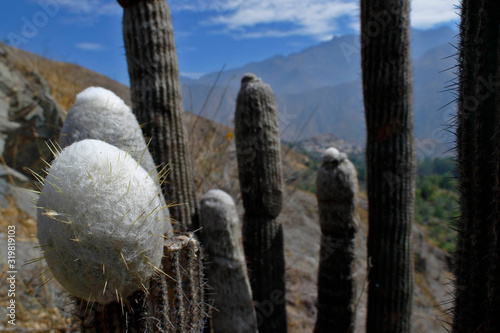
319	89
326	64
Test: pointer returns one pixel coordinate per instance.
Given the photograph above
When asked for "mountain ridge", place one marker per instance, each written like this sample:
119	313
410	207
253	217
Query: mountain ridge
334	105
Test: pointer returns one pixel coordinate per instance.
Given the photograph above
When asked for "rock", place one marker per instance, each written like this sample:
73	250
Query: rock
23	198
30	116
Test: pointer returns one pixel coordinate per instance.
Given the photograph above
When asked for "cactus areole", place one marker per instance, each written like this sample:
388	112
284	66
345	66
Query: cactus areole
99	222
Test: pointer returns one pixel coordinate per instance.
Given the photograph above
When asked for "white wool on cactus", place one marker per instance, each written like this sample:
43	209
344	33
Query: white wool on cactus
100	222
99	114
332	154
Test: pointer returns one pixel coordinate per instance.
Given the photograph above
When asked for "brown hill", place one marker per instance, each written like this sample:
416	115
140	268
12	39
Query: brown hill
213	151
65	80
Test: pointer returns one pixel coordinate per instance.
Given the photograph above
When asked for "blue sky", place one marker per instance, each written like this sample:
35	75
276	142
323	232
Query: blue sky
209	33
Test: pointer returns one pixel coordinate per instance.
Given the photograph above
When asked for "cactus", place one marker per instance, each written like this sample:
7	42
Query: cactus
98	222
337	188
226	271
101	227
184	308
175	302
464	263
477	260
259	167
157	101
101	115
390	157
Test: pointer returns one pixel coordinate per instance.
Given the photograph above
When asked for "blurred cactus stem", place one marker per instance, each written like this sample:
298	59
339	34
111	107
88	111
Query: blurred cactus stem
337	188
477	255
226	271
258	149
174	304
157	101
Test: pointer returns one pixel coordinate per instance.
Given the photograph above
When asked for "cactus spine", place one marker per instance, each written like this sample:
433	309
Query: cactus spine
337	188
259	167
226	271
477	299
390	157
156	97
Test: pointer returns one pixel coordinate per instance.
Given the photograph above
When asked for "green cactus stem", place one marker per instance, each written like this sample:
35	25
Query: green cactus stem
157	102
175	303
259	167
226	269
390	157
477	260
337	188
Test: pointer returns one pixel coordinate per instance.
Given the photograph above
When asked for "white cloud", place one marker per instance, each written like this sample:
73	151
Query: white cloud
318	18
92	7
89	46
429	13
192	75
278	18
205	5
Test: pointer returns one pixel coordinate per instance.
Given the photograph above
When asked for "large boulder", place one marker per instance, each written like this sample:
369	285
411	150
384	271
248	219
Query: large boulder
29	115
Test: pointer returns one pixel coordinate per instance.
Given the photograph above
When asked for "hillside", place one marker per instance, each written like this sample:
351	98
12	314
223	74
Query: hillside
212	147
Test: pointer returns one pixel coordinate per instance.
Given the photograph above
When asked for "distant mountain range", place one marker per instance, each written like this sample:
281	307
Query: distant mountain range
319	91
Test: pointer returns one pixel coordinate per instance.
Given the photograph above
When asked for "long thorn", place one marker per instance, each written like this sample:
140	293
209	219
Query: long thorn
121	253
162	272
139	218
105	285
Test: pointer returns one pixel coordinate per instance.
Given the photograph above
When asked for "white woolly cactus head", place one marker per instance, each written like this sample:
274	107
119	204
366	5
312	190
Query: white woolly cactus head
99	114
100	222
333	155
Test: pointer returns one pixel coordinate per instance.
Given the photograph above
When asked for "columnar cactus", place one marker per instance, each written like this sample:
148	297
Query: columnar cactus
156	98
464	268
226	269
337	188
183	288
477	266
174	304
259	167
390	157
